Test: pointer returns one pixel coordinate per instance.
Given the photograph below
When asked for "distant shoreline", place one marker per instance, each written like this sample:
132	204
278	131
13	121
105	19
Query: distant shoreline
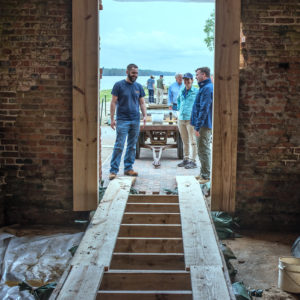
122	72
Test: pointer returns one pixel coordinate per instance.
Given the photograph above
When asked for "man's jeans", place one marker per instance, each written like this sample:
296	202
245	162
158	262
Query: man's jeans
124	129
151	96
204	151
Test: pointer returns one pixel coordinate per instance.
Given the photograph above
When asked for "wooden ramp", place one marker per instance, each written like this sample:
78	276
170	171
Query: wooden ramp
148	247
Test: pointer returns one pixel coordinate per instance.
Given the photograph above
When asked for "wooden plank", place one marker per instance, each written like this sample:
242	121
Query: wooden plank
149	245
151	218
226	99
199	241
82	283
153	198
152	207
146	281
85	49
153	261
150	230
99	240
208	283
60	284
151	295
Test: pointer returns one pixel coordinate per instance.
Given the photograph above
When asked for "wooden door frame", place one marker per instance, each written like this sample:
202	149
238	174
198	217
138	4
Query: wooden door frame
86	105
85	60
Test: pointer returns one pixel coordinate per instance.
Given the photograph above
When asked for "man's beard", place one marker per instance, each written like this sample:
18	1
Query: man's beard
132	78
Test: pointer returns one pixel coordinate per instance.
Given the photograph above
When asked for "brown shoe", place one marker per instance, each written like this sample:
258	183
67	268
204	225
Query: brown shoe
131	173
112	176
202	180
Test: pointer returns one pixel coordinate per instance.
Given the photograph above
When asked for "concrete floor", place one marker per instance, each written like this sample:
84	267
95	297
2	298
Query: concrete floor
257	252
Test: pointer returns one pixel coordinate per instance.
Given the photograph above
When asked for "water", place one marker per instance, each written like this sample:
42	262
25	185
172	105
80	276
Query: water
107	82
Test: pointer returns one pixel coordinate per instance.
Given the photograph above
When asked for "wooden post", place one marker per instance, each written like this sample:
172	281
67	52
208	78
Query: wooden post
226	97
85	51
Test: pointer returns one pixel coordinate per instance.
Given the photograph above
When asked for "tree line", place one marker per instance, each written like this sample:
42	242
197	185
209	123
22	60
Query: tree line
122	72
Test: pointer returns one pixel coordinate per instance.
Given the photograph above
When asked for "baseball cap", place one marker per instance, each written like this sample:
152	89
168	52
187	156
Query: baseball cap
188	75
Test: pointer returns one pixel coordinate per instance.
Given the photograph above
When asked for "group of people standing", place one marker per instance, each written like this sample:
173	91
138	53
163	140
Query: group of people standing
193	107
159	89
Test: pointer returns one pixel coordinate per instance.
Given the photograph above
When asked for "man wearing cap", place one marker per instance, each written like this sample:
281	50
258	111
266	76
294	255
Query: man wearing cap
174	90
201	119
160	89
185	102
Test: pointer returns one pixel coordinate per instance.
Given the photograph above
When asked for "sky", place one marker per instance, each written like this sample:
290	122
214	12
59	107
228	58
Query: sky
164	35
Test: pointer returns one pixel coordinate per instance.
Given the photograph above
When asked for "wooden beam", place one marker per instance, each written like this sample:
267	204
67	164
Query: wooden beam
199	241
208	282
149	245
152	207
151	218
143	280
77	287
85	51
153	261
99	240
226	99
146	295
150	230
153	198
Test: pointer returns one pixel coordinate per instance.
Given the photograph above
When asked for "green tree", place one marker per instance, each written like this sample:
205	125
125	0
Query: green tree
209	29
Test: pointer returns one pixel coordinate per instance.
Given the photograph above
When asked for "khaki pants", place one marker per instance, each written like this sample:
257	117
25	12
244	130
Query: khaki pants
160	96
189	139
204	151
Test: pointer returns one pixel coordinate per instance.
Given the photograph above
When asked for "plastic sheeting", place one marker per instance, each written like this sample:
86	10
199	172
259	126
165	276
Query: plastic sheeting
37	260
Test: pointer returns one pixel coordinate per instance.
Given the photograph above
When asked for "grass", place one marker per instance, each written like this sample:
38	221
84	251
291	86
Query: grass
107	93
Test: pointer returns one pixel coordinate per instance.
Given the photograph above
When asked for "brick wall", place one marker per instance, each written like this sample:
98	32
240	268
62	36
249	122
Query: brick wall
268	174
36	111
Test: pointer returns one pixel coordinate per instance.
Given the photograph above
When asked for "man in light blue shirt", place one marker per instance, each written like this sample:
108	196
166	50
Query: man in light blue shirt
174	90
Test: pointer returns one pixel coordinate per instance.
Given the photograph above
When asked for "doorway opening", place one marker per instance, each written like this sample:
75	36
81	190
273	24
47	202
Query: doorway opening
162	38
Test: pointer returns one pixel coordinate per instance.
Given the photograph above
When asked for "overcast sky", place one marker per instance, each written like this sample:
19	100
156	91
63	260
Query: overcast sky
161	36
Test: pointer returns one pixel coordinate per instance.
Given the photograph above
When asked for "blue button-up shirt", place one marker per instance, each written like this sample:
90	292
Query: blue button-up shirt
174	90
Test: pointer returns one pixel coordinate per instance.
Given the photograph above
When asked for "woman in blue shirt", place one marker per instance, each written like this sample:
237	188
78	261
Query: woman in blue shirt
185	102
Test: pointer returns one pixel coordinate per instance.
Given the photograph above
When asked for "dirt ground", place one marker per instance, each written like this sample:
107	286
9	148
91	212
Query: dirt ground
257	260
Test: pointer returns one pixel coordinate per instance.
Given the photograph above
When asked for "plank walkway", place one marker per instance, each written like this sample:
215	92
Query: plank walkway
148	247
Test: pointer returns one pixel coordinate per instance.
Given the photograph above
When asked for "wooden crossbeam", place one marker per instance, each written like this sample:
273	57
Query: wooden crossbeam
153	198
149	245
149	261
142	280
151	218
152	207
146	295
150	230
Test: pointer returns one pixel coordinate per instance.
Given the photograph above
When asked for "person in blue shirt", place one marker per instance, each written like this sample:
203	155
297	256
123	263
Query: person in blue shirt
185	102
128	98
174	90
150	87
201	119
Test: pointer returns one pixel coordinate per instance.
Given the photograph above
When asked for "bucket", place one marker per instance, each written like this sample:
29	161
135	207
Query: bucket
289	274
